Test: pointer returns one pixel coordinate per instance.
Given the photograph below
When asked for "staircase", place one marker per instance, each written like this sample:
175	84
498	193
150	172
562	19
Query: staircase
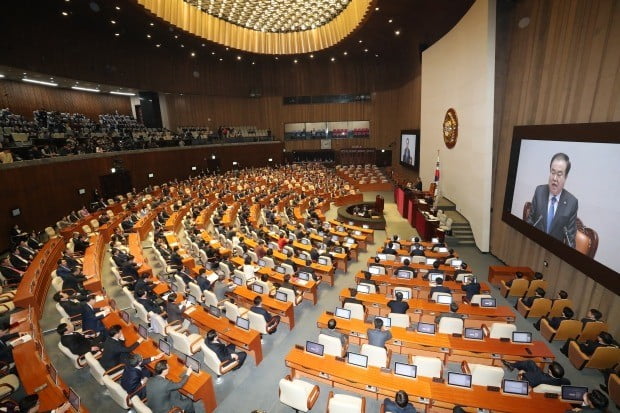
462	233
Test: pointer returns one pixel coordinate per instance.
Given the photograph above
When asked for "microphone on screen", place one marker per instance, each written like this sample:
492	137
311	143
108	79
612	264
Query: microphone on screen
537	221
570	244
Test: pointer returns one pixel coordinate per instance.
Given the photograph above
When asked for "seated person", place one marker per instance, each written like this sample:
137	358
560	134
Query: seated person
400	404
163	394
434	270
272	321
554	322
406	267
271	289
528	301
135	373
471	288
561	295
287	284
534	375
332	332
368	280
7	342
149	305
71	304
289	260
398	306
439	288
224	352
32	404
389	249
462	270
518	276
593	315
604	339
248	269
417	249
593	402
74	280
378	336
454	307
202	280
352	299
114	349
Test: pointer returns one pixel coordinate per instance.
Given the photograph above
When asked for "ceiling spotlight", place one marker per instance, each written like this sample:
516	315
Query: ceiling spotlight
85	89
158	45
117	34
40	82
365	50
390	21
152	24
238	57
176	36
193	54
213	53
360	40
333	59
253	63
311	56
295	61
148	36
376	9
122	93
277	58
221	59
397	32
182	45
64	13
203	45
345	53
113	21
117	8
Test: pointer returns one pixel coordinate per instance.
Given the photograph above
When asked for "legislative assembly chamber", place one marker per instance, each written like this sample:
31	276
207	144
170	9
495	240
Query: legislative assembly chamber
309	205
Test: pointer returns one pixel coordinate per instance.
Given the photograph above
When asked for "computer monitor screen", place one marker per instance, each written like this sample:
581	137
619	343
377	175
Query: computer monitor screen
356	359
406	370
430	261
456	263
459	379
474	333
363	288
488	302
442	249
258	289
243	323
434	275
124	315
174	288
349	241
305	241
192	363
521	337
469	278
426	328
74	399
365	226
404	274
387	321
262	262
314	348
515	387
340	229
357	232
435	240
237	280
164	347
374	270
343	313
143	331
214	311
323	261
280	269
191	300
335	238
382	257
444	299
303	275
406	294
573	393
281	296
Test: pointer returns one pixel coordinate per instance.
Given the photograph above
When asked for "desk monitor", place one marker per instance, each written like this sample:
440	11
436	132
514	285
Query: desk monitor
573	393
488	302
404	274
302	275
174	288
193	364
469	278
515	387
280	269
343	313
258	289
243	323
374	270
435	240
305	241
191	300
474	333
349	241
357	232
387	321
335	238
237	280
356	359
365	226
314	348
426	328
442	249
432	277
456	263
323	261
74	399
444	299
430	261
164	347
262	262
363	288
124	315
521	337
214	311
406	370
459	379
143	331
321	233
53	373
406	294
382	257
340	229
281	296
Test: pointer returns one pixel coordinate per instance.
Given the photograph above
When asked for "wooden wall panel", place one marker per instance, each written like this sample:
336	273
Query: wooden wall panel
562	68
48	190
23	98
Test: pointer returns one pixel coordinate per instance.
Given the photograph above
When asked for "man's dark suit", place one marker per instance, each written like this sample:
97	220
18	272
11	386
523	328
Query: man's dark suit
555	322
399	307
72	282
163	395
261	311
174	312
440	289
12	275
90	321
149	305
528	301
72	308
18	262
132	379
224	352
77	343
471	289
535	376
564	220
115	352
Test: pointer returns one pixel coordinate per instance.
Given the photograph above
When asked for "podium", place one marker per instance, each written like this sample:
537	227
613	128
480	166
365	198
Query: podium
379	203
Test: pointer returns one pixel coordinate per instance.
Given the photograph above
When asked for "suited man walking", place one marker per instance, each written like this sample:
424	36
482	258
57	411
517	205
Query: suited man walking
163	394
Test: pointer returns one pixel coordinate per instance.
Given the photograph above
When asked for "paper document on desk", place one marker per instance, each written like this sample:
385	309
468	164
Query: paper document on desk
190	310
301	282
99	298
23	339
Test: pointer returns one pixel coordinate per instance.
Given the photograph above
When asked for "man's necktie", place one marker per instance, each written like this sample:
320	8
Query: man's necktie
551	213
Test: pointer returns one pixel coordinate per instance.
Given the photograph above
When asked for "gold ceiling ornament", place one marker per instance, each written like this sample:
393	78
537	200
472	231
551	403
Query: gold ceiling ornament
450	128
265	26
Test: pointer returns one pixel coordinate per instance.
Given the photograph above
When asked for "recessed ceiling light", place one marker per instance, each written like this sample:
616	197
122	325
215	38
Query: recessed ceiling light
39	82
158	45
176	36
238	57
117	34
85	89
227	49
151	24
117	8
182	45
376	9
359	41
390	21
122	93
203	45
345	53
253	63
365	50
311	56
376	54
221	59
213	53
193	54
295	61
148	36
64	13
397	32
276	59
1	75
333	59
113	21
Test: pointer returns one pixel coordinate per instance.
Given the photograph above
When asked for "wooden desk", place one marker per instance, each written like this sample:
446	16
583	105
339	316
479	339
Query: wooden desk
386	284
246	340
373	383
276	307
390	266
498	273
369	233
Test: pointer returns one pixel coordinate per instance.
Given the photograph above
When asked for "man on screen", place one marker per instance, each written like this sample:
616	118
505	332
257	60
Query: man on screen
407	153
554	209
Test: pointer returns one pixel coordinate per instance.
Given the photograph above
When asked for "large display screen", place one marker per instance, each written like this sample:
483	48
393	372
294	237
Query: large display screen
562	192
410	148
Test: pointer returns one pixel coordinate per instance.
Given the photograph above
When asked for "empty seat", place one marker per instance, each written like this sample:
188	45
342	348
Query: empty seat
343	403
501	330
298	394
377	356
399	320
450	325
483	375
427	366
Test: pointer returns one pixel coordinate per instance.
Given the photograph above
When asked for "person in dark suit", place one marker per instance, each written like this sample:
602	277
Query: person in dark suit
528	301
77	343
135	373
7	341
91	319
202	280
19	262
332	332
593	402
434	270
389	249
174	310
33	241
554	322
149	305
592	316
25	251
176	261
406	267
80	243
604	339
352	299
439	288
518	276
462	270
72	261
9	272
554	209
71	304
74	280
163	394
398	306
400	404
471	288
368	280
530	372
454	308
287	284
114	349
272	321
224	352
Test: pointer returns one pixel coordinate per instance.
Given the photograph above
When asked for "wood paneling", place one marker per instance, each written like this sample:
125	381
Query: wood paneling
562	68
48	190
23	98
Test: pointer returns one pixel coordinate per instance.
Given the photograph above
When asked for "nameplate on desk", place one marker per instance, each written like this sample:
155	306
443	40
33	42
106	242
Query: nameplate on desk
496	356
323	375
340	359
437	380
504	339
423	400
329	312
547	359
551	395
457	335
397	343
371	388
385	370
